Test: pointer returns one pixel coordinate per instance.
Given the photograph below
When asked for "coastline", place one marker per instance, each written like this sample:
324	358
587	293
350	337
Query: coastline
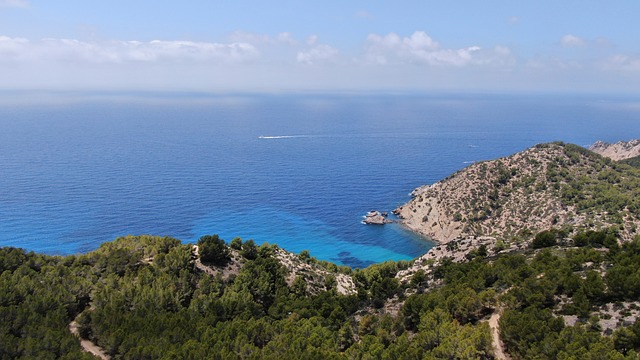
426	215
517	196
419	232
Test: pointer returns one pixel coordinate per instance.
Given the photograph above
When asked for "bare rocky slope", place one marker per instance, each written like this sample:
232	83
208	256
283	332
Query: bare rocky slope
553	185
619	151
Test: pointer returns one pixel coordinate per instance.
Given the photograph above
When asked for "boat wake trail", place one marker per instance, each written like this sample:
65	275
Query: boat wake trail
283	136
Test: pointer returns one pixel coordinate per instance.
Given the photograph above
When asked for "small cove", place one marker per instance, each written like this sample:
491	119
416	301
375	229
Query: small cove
297	171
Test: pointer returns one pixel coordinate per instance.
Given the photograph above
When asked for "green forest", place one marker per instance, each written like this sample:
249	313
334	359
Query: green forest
141	297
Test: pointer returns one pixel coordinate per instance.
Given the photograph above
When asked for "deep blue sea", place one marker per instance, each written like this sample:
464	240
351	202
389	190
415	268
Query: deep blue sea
299	171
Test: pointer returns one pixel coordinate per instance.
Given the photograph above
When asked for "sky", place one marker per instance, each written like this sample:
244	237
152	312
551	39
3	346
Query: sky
286	45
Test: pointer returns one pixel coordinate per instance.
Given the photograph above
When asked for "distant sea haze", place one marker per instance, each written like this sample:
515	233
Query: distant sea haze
297	171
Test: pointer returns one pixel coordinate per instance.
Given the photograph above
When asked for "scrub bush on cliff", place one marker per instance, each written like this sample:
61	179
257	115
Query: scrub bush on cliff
213	250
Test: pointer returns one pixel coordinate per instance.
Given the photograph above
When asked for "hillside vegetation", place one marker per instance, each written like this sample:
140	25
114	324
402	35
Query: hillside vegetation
552	185
634	161
144	298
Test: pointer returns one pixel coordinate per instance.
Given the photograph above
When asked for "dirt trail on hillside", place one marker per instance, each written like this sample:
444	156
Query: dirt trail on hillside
498	346
87	345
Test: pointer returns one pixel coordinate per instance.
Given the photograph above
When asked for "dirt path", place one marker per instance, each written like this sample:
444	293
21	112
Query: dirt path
87	345
498	346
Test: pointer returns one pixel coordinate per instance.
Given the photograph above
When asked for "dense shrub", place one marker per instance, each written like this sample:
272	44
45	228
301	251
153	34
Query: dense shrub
544	239
213	250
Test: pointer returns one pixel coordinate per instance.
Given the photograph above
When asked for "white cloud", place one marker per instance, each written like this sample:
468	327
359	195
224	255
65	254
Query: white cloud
12	47
187	50
286	38
513	20
14	3
420	48
420	41
262	39
502	50
71	50
379	47
570	40
312	39
622	63
249	61
318	54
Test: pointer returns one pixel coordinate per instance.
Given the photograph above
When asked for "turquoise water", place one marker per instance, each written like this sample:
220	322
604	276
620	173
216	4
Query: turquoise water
297	171
296	233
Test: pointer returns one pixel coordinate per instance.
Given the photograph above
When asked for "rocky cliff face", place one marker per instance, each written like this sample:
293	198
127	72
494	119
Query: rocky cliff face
547	186
618	151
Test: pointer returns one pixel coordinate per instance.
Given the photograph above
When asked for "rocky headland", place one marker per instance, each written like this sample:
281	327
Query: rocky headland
619	151
498	208
553	185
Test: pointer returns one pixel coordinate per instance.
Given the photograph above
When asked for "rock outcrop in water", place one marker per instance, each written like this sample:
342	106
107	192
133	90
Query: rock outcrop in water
375	217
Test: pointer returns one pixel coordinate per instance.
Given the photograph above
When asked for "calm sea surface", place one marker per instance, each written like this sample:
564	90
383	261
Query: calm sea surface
297	171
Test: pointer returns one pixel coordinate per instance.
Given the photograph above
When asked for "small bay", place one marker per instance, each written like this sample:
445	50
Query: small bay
299	171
